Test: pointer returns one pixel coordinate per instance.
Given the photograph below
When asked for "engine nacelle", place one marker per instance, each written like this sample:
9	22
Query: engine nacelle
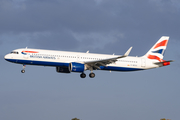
62	69
76	67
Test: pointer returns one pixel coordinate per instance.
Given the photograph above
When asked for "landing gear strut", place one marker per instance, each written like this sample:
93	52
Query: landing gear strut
83	75
23	70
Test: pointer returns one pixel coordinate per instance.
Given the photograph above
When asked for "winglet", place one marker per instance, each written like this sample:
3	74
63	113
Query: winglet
127	53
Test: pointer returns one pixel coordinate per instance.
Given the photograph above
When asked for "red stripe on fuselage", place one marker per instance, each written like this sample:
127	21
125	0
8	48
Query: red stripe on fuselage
163	43
30	52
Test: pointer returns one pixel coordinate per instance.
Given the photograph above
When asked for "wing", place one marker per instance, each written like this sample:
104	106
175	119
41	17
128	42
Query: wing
96	64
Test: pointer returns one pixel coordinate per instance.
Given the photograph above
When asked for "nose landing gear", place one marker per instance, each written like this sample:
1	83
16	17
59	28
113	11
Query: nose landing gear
23	70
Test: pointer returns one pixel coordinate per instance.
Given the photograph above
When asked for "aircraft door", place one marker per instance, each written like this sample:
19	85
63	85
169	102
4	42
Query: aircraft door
143	62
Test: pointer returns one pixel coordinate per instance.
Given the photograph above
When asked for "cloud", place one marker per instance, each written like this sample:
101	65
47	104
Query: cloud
94	40
95	24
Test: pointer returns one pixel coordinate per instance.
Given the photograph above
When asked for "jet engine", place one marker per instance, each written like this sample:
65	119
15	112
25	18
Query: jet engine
77	67
62	69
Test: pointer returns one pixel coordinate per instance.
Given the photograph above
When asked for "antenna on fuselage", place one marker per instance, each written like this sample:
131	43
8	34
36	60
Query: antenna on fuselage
87	51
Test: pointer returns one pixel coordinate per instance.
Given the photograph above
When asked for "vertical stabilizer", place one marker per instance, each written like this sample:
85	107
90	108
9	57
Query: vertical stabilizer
157	51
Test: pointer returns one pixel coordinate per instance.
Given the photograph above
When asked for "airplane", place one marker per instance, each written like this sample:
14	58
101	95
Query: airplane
67	62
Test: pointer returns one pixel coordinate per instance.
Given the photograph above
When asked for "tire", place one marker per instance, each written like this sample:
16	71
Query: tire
91	75
83	75
23	71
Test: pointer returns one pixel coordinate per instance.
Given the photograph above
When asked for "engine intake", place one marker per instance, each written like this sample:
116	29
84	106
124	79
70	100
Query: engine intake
76	67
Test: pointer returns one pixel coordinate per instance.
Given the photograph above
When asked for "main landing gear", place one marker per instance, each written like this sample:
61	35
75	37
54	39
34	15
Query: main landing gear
23	70
82	75
91	75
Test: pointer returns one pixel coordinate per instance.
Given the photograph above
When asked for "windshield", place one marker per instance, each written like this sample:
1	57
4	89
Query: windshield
14	52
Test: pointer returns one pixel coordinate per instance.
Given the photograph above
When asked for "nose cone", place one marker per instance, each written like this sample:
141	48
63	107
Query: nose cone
9	58
6	57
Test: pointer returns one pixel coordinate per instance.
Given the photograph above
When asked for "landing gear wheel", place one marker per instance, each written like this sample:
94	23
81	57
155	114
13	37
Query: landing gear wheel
23	71
83	75
91	75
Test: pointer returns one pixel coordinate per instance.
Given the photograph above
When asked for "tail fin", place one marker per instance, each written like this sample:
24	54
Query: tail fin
157	51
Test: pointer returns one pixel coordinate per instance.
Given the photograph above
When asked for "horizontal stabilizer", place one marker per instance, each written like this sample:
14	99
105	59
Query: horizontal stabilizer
164	63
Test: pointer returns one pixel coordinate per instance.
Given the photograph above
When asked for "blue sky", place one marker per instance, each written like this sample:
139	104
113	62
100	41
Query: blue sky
100	26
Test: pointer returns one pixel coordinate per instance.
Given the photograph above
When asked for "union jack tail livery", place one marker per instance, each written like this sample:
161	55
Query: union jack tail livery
156	53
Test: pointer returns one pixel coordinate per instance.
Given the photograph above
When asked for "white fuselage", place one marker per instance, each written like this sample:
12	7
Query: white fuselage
60	58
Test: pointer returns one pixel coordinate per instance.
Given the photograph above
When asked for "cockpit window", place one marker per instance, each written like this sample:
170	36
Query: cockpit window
14	52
